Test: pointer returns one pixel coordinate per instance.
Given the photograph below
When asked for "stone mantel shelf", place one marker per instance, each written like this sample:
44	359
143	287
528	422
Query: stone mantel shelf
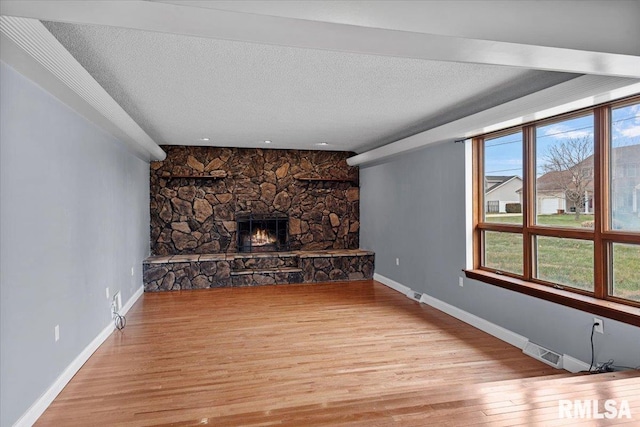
304	178
217	176
327	253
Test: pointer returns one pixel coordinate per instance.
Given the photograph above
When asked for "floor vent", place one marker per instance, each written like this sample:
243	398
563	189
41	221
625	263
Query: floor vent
543	354
414	295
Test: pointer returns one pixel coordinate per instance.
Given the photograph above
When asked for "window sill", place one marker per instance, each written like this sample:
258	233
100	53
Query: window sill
613	310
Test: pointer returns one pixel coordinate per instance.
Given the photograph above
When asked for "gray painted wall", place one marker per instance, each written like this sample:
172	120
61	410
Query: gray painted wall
413	208
74	219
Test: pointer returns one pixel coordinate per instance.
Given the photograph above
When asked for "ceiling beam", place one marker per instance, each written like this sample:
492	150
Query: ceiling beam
561	23
581	92
28	47
293	32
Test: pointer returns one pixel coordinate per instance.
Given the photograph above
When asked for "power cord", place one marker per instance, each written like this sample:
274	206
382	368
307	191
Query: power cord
608	366
119	320
593	329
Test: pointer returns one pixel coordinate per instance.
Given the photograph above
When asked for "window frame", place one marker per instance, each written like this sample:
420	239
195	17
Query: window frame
600	301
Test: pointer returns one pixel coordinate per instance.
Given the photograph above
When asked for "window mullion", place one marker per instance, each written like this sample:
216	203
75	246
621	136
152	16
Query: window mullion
601	201
528	199
478	198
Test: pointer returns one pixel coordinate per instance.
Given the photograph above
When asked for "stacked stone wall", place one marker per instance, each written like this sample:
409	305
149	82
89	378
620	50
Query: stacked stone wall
198	215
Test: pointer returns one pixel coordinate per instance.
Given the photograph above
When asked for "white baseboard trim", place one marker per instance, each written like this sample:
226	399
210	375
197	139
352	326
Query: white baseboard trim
136	295
570	364
573	365
499	332
473	320
392	284
40	405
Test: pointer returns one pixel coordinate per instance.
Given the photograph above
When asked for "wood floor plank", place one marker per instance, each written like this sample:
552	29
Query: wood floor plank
350	353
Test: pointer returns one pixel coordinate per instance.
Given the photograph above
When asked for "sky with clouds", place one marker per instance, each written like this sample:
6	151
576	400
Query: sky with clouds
503	156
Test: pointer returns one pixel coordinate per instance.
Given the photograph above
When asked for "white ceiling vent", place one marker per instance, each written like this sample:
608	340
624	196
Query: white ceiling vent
544	355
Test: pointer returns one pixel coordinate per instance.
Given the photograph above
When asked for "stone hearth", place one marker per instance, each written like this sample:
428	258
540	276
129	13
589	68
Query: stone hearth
175	272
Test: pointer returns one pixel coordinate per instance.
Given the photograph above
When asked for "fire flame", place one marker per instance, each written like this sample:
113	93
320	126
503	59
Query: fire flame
262	238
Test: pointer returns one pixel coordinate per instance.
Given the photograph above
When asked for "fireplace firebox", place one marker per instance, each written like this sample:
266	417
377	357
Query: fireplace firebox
263	232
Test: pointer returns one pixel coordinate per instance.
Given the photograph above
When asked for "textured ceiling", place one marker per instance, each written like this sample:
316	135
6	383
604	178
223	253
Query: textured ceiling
180	89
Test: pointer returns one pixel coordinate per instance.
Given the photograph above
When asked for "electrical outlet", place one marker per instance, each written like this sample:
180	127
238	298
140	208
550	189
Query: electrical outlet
397	261
117	301
599	328
460	282
56	332
106	291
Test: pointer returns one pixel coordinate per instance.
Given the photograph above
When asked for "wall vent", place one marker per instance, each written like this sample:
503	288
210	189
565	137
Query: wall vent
544	355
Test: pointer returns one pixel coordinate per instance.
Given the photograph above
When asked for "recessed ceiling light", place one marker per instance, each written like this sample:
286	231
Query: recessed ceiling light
267	141
322	143
204	139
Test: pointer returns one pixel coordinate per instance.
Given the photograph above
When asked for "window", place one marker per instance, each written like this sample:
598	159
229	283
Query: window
557	209
563	150
624	186
503	179
625	273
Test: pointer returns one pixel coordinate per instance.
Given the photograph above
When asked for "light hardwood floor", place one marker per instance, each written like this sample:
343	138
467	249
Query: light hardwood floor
353	353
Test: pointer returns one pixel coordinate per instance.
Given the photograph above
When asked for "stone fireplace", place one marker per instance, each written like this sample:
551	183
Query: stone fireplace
225	217
200	194
262	232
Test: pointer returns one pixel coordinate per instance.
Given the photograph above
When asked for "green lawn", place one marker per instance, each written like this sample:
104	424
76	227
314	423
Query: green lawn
565	220
626	271
564	261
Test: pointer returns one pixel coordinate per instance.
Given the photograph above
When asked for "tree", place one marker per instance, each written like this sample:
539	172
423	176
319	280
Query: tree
570	164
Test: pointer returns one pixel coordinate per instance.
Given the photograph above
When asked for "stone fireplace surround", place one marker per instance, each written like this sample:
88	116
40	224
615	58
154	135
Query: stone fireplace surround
197	193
